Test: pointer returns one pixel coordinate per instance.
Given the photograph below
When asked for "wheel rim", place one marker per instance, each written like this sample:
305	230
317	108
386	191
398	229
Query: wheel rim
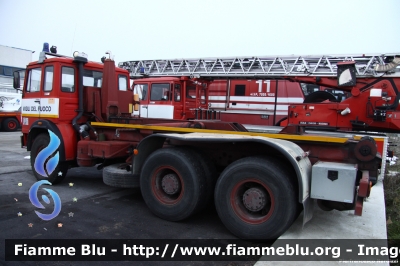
167	185
12	125
252	201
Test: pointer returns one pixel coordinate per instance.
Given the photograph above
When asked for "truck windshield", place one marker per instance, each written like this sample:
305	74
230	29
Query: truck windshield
160	92
34	79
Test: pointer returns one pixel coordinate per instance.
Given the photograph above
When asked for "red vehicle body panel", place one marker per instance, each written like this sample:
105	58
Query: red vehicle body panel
64	103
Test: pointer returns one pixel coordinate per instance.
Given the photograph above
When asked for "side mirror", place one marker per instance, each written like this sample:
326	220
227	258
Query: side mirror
17	80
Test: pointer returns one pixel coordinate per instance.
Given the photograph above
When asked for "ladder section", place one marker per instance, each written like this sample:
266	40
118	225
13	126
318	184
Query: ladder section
263	66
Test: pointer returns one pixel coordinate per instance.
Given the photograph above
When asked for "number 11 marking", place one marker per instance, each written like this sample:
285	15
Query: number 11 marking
260	82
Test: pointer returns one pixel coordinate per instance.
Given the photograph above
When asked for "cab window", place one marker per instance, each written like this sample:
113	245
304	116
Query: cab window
48	78
122	83
177	93
67	79
34	79
309	88
141	90
160	92
240	90
203	96
191	92
92	78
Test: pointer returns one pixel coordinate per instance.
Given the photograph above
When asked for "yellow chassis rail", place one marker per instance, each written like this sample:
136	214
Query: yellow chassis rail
309	138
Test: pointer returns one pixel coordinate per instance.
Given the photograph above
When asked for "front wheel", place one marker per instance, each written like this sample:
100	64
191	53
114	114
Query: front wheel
57	174
256	199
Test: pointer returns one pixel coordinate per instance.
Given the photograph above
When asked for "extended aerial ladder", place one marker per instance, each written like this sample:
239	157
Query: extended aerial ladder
265	66
372	79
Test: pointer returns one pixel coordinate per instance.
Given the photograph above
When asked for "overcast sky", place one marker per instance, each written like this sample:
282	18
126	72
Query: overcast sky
167	29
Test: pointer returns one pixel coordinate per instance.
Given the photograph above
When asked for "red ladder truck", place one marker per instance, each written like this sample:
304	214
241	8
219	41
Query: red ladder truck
367	104
264	102
181	155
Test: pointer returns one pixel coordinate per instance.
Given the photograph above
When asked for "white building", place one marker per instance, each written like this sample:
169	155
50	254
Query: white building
11	59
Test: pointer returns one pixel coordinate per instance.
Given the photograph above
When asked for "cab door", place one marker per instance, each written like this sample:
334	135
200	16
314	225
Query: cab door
49	101
142	89
160	102
30	110
66	90
179	113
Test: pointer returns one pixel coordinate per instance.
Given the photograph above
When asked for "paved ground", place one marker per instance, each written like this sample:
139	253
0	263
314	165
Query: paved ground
101	212
340	225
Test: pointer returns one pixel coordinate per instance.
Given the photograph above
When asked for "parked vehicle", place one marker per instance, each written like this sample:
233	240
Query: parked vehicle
10	111
182	155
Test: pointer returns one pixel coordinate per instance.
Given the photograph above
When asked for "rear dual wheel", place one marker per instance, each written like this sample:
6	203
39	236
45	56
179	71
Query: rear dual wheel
256	199
175	183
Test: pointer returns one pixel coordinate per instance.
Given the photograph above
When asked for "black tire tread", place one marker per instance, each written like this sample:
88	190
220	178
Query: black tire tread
114	176
273	173
43	139
192	202
210	174
5	122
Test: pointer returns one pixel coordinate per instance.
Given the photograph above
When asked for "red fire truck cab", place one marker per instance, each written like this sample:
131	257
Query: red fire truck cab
162	97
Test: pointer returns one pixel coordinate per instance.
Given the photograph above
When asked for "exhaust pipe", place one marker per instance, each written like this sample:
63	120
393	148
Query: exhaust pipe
80	61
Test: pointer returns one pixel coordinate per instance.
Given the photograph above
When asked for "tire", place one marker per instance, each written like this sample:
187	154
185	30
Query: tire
39	143
323	206
116	176
270	206
320	96
210	174
10	124
172	183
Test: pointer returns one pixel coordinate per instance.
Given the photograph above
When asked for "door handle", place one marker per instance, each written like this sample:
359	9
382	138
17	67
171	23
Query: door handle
37	101
144	106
